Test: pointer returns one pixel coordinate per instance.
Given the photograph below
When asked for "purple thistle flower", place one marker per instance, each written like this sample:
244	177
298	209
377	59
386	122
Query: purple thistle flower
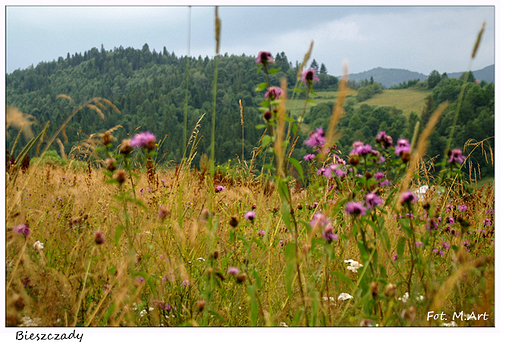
261	232
385	182
22	229
316	138
490	211
402	146
233	271
355	208
431	224
487	222
274	93
333	169
462	207
264	57
309	157
329	235
383	139
445	245
320	171
419	243
219	188
141	191
320	219
143	140
250	215
360	149
186	283
394	258
407	197
372	199
140	280
450	207
379	176
309	76
438	252
456	156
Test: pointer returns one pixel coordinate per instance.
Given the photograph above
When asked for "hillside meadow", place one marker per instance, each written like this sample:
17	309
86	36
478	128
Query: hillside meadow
346	240
374	233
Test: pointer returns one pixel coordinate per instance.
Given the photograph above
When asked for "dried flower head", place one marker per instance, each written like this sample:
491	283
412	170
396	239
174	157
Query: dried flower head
99	237
111	164
390	290
201	304
163	212
120	176
233	222
107	138
126	148
241	277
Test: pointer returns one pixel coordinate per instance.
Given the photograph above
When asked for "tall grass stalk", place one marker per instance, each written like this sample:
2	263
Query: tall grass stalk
217	39
185	133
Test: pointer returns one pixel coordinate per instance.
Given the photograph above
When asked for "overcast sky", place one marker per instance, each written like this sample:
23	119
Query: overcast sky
416	38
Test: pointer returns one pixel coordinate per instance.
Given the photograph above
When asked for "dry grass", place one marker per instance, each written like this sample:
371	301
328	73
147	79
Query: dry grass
73	281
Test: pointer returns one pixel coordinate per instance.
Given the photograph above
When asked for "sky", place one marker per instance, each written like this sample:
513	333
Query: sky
416	38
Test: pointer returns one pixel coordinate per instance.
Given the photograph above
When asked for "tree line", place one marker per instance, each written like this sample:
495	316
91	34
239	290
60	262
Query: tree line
149	88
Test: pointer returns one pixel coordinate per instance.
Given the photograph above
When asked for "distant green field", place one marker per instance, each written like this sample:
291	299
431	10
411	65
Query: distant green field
407	100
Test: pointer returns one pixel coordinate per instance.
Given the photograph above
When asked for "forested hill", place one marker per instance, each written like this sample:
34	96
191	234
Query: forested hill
149	88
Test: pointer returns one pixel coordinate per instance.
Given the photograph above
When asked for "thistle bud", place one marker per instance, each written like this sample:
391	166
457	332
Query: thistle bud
374	289
241	277
233	222
354	160
120	176
107	138
111	164
390	290
126	148
201	304
406	156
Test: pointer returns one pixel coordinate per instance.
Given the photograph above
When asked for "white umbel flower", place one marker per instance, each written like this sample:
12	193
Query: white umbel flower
353	266
404	298
344	296
38	245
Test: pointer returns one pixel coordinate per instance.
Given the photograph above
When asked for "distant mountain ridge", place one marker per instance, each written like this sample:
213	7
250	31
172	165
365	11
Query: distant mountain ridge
388	77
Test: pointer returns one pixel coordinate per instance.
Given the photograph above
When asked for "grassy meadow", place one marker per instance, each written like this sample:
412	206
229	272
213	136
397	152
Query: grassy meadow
176	271
408	100
333	240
